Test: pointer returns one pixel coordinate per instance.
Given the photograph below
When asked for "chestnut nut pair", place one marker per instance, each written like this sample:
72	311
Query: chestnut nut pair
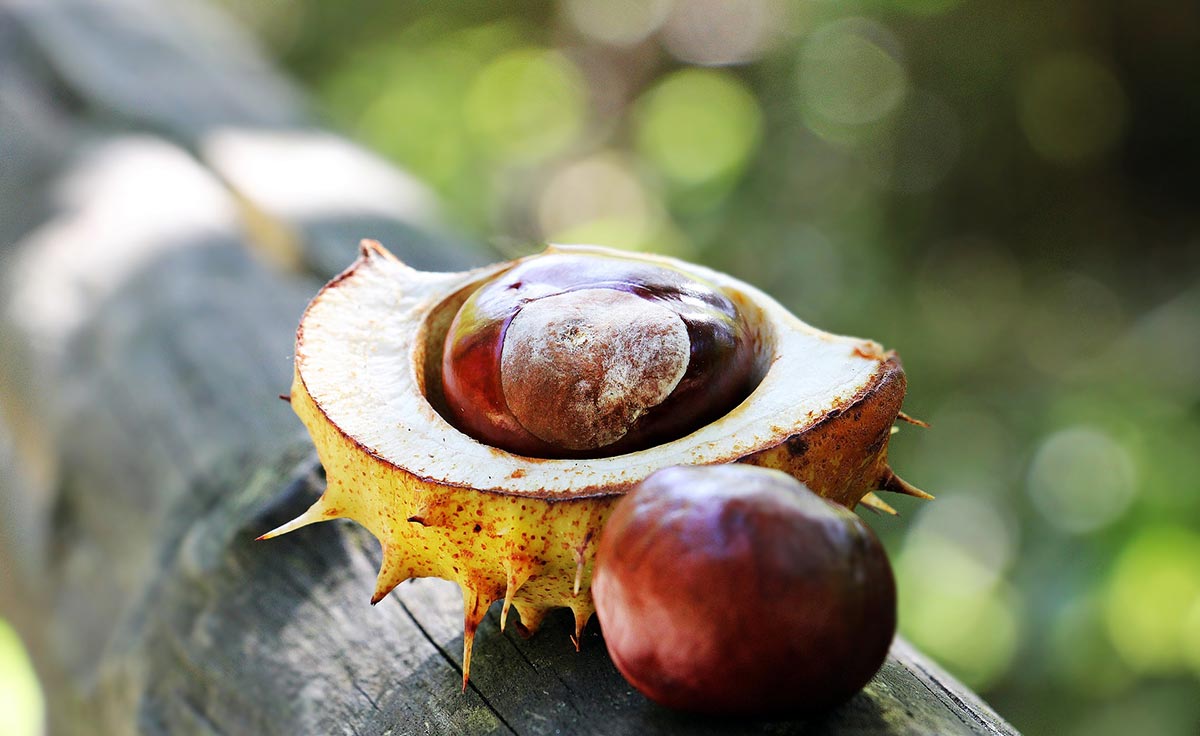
723	589
487	427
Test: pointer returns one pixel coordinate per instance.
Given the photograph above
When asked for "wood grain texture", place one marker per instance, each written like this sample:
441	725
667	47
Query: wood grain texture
146	332
293	613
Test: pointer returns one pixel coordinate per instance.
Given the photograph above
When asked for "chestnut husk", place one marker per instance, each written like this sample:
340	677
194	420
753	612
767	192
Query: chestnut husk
367	385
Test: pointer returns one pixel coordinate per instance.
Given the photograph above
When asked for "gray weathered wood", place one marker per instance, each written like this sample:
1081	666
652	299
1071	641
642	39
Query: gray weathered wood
181	69
177	67
313	196
173	454
145	336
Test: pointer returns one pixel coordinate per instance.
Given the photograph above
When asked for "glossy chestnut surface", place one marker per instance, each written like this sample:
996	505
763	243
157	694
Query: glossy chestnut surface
585	355
734	589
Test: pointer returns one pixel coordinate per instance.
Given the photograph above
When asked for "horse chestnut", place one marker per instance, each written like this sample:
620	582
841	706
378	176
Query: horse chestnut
585	355
735	589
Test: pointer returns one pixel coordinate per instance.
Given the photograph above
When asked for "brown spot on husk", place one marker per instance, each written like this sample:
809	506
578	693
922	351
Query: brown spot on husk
844	455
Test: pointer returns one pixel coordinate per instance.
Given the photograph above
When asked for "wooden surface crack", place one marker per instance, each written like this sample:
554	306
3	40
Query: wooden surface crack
361	691
557	675
455	665
963	708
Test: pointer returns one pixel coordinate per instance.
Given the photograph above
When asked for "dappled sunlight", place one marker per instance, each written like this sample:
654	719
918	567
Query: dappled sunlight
850	73
526	105
1151	601
698	127
618	22
21	706
722	32
602	194
125	209
1072	108
1082	479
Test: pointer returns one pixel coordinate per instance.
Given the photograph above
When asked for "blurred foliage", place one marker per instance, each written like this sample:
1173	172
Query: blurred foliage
1005	192
20	697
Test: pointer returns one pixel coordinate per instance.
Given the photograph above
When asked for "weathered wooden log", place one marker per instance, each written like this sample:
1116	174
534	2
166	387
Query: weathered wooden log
158	613
144	341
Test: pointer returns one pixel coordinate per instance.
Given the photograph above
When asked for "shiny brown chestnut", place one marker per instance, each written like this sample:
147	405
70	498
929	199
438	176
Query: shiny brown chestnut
587	355
734	589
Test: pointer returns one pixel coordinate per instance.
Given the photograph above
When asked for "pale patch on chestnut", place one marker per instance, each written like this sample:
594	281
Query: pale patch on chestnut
579	369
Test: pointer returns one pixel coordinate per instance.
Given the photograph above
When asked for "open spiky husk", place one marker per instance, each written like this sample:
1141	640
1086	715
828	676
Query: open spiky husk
523	530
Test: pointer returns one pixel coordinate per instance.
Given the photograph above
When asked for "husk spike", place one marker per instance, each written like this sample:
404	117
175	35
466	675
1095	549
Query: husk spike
578	571
531	619
392	572
581	618
516	577
894	483
877	504
319	511
475	607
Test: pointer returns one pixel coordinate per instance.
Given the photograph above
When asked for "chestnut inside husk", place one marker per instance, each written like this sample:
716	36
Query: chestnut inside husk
584	355
734	589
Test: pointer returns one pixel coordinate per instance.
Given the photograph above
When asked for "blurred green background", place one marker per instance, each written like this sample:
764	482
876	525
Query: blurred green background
1004	192
1007	193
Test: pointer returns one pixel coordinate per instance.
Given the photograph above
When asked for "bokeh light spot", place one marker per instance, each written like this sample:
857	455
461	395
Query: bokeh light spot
526	105
970	449
21	707
720	32
1191	637
985	535
600	199
433	142
405	98
424	91
1152	593
846	76
1072	108
1081	479
617	22
697	126
951	606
